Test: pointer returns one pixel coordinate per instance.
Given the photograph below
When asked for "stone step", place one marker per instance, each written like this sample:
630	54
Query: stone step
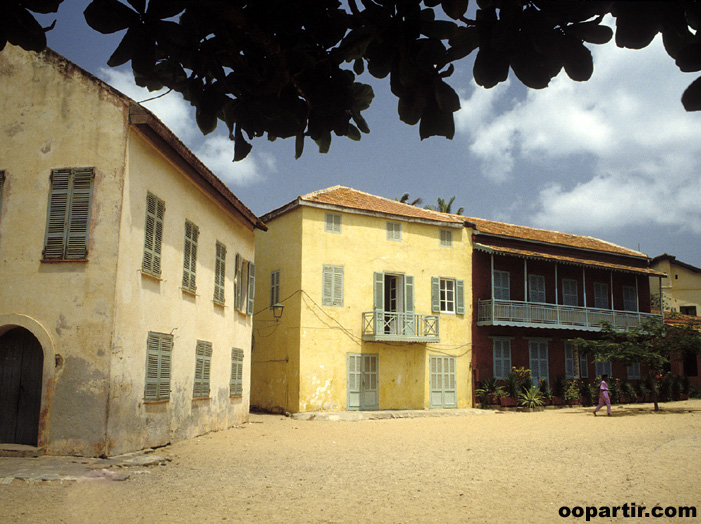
20	450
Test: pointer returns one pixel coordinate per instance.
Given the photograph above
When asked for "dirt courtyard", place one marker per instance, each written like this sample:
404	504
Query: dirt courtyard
504	467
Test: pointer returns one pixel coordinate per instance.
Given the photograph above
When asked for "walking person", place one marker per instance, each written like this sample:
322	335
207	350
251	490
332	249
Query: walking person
604	396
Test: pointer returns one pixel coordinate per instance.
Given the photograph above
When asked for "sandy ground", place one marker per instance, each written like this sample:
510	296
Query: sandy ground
506	467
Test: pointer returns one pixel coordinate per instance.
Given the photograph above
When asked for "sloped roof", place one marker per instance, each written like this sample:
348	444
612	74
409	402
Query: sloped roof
501	229
352	199
158	132
673	260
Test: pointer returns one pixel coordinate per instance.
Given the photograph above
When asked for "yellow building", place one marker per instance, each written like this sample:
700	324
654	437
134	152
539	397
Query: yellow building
125	312
681	290
377	306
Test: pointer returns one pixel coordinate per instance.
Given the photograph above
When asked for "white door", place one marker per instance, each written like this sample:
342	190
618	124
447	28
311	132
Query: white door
442	382
363	391
538	353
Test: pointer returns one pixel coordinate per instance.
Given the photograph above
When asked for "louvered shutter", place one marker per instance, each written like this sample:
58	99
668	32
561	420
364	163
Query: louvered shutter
435	294
164	379
409	318
79	214
57	214
238	284
460	297
338	286
327	286
190	256
379	291
569	360
203	359
158	361
153	235
236	381
220	273
251	287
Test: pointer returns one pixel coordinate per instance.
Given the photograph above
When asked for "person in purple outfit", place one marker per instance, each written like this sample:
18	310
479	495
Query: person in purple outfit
604	396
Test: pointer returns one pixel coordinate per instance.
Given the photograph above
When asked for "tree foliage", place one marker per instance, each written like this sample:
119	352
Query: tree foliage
289	68
445	206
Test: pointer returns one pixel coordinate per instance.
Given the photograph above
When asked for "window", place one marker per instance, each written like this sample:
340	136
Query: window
447	295
684	310
502	287
203	362
630	298
569	362
333	223
219	273
158	357
68	218
633	370
236	380
153	235
602	368
332	286
570	295
502	357
244	284
583	366
601	295
192	232
274	287
446	238
394	231
536	288
538	359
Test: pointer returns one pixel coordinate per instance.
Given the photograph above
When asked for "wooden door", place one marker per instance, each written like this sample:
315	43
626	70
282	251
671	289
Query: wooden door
442	382
362	386
21	366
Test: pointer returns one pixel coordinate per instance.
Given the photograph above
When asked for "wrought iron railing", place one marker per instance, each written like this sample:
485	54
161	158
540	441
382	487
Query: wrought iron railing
392	326
513	312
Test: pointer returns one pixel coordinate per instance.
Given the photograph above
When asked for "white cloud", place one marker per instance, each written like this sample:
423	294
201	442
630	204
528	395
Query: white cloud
215	150
628	118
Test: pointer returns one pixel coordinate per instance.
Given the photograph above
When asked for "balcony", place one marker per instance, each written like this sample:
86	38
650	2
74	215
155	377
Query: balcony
386	326
528	314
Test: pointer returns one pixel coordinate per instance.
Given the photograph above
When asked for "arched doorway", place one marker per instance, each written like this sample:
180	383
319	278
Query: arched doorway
21	368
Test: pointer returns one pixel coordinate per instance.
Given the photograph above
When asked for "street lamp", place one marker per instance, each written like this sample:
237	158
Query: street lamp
277	311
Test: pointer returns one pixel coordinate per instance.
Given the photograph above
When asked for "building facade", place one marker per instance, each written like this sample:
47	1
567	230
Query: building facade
126	269
536	290
377	306
681	287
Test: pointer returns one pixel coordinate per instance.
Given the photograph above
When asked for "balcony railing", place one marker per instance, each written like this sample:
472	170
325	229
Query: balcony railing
515	313
388	326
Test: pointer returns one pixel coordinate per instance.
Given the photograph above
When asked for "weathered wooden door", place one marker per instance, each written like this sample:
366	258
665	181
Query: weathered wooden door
21	365
363	391
442	382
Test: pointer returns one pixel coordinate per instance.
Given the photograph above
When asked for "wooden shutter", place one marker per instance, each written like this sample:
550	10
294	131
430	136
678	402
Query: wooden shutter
203	359
190	256
379	291
338	286
79	214
536	288
460	297
409	294
153	235
274	287
569	360
435	294
251	287
57	214
158	361
236	381
327	286
166	351
219	273
237	282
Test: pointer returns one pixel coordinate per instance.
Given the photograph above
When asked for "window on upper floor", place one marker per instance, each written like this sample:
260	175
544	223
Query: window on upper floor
601	295
603	368
236	378
332	286
630	298
153	235
501	348
688	310
203	364
570	295
502	285
394	231
633	370
536	288
447	295
446	238
274	287
219	272
192	233
68	217
159	347
244	285
332	223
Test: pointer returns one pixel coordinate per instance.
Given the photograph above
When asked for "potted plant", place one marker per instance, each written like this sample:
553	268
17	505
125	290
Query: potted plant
489	391
512	385
572	393
545	391
531	398
558	389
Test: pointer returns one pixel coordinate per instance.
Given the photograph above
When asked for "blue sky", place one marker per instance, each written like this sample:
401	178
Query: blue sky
615	158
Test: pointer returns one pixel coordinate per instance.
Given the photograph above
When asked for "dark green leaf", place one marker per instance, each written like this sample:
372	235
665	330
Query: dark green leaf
167	8
436	123
691	99
138	5
358	66
127	48
24	31
241	147
463	42
299	145
491	67
42	6
530	68
109	16
689	58
592	32
454	8
324	143
206	113
360	122
440	29
446	97
637	23
411	106
353	132
576	59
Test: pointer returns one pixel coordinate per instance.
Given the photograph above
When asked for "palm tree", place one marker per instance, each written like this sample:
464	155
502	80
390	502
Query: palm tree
405	200
445	207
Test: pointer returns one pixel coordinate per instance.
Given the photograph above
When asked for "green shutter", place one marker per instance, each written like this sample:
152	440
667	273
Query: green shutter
190	256
435	294
219	273
79	214
379	291
203	359
327	286
338	286
460	297
236	380
158	360
251	287
57	214
409	294
153	235
237	282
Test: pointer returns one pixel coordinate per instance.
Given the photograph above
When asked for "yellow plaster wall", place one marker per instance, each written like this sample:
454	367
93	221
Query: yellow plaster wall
682	287
275	355
144	304
52	117
328	334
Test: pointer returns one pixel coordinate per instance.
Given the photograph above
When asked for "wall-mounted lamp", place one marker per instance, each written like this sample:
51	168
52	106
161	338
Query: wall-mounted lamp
277	311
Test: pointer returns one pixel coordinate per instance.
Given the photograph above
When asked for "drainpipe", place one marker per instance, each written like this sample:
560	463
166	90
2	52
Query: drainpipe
584	289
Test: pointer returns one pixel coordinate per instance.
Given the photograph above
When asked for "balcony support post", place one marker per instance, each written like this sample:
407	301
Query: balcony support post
557	307
491	257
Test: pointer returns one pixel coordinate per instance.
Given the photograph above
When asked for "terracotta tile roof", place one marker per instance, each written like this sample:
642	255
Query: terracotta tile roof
345	197
580	261
550	237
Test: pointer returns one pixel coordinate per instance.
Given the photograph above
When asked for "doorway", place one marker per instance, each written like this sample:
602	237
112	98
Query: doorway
21	368
363	391
442	382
